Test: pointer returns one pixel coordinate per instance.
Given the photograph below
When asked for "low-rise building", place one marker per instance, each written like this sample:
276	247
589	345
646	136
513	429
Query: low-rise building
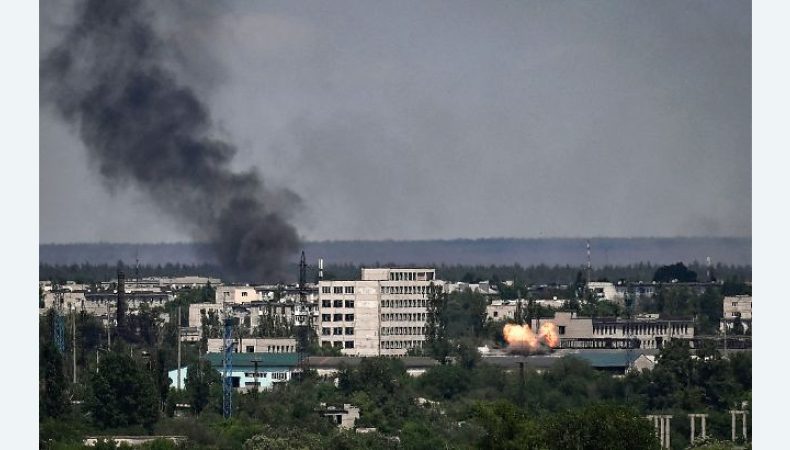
255	345
502	310
344	417
483	288
604	290
272	368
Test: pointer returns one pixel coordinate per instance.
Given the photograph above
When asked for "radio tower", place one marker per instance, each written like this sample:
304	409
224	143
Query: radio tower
227	366
302	315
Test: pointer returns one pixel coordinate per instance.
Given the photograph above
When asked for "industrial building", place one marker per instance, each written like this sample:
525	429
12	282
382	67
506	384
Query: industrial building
254	345
249	370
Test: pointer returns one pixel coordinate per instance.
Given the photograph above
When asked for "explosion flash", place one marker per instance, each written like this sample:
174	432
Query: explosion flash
522	338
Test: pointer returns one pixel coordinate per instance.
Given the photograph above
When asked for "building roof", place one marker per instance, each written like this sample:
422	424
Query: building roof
598	359
410	362
264	359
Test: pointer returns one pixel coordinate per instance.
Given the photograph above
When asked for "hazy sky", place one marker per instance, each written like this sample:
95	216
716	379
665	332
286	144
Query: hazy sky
417	120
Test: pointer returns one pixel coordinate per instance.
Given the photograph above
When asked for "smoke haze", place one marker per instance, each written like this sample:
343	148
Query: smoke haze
144	128
417	120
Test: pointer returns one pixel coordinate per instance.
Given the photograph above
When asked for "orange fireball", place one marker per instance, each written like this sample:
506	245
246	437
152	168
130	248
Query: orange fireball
548	333
521	337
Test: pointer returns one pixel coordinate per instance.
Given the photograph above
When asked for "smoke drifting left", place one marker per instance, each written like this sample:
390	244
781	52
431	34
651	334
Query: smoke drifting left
108	78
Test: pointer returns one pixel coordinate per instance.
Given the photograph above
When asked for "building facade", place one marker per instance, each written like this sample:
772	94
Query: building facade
736	308
382	314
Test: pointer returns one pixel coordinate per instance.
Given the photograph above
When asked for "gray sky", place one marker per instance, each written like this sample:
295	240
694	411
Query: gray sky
417	120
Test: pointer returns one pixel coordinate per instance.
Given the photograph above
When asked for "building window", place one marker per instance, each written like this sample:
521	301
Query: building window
326	290
338	303
326	303
326	317
496	314
338	344
338	331
349	317
338	318
349	303
349	289
325	331
338	289
349	331
244	294
349	344
250	349
561	329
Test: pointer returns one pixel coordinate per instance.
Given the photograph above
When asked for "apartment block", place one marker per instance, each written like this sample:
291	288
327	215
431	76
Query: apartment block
382	314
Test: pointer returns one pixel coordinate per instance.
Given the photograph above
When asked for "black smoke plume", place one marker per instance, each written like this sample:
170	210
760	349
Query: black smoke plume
108	78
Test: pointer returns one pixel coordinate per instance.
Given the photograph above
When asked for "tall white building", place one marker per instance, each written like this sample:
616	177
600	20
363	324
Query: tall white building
383	314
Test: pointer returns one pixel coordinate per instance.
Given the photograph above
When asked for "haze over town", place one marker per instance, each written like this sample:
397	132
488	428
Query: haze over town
447	120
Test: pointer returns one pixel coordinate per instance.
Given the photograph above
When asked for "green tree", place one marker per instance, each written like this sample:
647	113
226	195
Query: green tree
200	380
122	393
604	427
53	398
436	324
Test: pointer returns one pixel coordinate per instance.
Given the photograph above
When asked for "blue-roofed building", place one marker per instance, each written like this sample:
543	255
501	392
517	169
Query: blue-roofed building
272	368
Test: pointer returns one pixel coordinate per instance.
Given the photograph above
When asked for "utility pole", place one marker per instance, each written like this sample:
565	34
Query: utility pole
178	383
109	344
74	344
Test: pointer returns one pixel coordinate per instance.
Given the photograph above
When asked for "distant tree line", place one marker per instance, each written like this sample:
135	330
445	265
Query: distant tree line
542	274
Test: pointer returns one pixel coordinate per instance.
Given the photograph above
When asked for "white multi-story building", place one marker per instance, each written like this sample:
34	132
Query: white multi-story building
235	294
736	307
382	314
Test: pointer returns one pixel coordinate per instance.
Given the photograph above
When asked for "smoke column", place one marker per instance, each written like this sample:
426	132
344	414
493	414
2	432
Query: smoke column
108	78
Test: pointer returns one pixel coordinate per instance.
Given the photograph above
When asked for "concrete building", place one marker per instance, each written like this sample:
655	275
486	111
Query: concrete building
622	333
383	313
70	299
96	303
502	309
604	290
255	314
483	287
256	345
235	294
344	417
506	309
737	307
